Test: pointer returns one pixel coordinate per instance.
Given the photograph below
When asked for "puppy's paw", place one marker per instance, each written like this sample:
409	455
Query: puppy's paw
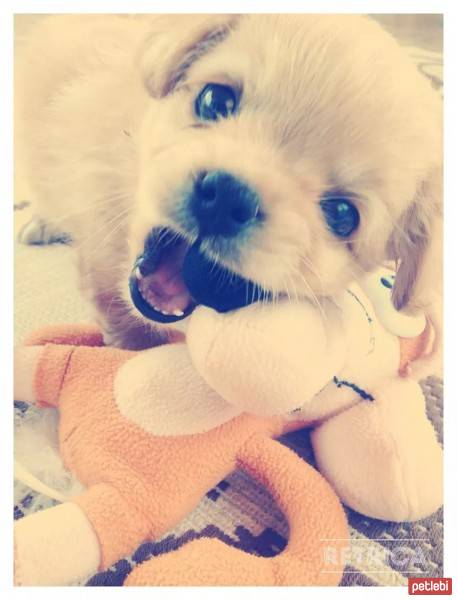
38	232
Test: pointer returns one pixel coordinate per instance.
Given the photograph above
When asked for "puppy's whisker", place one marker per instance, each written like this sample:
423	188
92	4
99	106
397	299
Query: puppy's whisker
287	289
309	265
107	202
120	222
295	271
115	300
119	219
294	287
164	234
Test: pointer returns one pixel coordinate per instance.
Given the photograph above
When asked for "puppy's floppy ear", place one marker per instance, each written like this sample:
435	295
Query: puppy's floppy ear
174	43
416	244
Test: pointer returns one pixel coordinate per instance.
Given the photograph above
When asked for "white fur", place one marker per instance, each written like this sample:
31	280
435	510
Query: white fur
54	546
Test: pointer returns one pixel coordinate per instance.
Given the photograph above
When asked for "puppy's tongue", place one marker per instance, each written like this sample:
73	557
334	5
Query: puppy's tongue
164	289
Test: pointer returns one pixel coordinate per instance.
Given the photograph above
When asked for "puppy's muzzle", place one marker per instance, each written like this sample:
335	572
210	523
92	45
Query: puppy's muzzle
223	205
171	277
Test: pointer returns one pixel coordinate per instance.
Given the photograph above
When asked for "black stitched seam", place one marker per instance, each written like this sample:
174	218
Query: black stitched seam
370	320
362	393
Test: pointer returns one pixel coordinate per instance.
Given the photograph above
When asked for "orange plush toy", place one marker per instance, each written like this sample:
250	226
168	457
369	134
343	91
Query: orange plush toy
149	433
141	484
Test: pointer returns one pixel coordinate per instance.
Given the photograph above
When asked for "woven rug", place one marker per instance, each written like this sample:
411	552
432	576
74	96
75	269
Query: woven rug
237	510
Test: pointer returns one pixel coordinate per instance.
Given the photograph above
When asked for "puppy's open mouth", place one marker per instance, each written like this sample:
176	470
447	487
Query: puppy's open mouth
156	283
171	277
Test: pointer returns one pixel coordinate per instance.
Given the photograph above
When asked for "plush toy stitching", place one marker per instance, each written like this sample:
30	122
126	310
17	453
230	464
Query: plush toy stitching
372	342
402	487
361	392
38	376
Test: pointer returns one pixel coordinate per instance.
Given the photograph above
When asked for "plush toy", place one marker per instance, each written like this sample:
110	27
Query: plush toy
148	433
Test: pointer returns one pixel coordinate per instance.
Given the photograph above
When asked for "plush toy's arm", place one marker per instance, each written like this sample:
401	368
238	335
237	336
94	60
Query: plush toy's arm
69	542
25	362
39	372
29	359
42	371
267	359
316	521
56	546
163	380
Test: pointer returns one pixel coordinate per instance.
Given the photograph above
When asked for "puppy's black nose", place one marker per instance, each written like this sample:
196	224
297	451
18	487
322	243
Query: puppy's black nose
223	205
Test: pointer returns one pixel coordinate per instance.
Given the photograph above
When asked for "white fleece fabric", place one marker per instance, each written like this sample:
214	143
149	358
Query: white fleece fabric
55	546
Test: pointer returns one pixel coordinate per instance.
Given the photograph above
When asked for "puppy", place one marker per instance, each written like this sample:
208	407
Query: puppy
224	159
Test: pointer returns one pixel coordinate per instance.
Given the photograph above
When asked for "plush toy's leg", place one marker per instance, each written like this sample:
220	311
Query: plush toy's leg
316	520
69	542
56	546
119	523
382	457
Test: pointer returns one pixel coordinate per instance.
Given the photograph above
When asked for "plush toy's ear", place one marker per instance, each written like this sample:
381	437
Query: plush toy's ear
416	246
175	42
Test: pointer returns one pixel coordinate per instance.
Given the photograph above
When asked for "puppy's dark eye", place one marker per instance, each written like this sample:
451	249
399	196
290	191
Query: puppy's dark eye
340	213
215	102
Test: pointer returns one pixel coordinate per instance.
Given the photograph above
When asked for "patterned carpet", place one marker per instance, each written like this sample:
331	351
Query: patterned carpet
237	511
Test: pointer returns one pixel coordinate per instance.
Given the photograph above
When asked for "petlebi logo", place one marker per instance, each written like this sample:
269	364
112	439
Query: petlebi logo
427	586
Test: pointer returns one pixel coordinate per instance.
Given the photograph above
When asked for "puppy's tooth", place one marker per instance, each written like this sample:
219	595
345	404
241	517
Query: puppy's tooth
138	273
178	313
165	312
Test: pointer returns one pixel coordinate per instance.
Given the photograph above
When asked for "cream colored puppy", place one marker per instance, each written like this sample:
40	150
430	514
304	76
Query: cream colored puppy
223	159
